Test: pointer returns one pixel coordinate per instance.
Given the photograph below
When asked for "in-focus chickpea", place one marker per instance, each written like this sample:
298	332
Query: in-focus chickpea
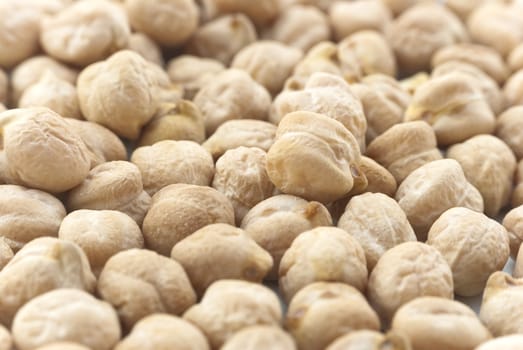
160	331
324	311
370	340
406	272
517	194
509	129
509	342
229	306
473	245
222	38
169	162
377	223
432	323
513	89
140	282
260	337
513	223
515	59
66	315
195	207
146	47
379	179
85	32
261	12
42	265
489	165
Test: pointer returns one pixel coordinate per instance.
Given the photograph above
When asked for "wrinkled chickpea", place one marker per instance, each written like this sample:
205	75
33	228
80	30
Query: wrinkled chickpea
370	340
322	57
509	342
146	47
379	179
509	128
260	337
513	223
323	311
6	253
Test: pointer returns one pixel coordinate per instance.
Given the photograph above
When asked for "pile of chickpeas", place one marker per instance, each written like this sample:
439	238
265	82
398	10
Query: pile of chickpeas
269	174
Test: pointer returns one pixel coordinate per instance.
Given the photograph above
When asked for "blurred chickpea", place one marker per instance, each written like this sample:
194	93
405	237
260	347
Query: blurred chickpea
399	6
513	89
370	340
146	47
6	254
260	337
6	340
515	59
261	12
4	87
322	57
517	194
413	82
513	222
508	342
63	345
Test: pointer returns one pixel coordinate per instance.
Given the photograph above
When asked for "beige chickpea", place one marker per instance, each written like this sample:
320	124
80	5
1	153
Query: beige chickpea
483	57
66	315
146	47
28	214
4	87
108	103
432	189
174	121
237	133
48	7
306	141
379	179
232	94
261	13
433	323
513	89
169	23
242	177
463	8
518	265
513	223
43	151
42	265
6	340
347	17
229	306
193	72
413	82
489	165
195	207
235	255
320	4
421	31
406	272
322	254
2	107
322	57
509	129
269	63
54	93
404	147
101	234
384	102
377	223
370	340
473	245
260	337
85	32
275	222
509	342
300	26
222	38
515	59
31	71
160	331
501	307
169	162
454	106
6	254
63	345
140	282
399	6
323	311
517	194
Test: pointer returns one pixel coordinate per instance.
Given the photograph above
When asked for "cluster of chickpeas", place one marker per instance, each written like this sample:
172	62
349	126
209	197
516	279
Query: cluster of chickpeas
269	174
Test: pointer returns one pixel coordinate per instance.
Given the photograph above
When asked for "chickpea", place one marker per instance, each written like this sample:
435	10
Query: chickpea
63	345
399	6
260	337
6	340
379	179
513	223
322	57
66	315
140	282
413	82
370	340
6	253
517	194
515	59
321	4
509	342
261	12
323	311
513	89
146	47
4	87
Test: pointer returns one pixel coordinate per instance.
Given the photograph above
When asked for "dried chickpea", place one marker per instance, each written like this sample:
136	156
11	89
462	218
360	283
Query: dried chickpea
6	340
229	306
518	265
260	337
404	147
421	31
483	57
54	93
322	57
27	214
320	4
6	254
66	315
348	17
234	255
261	12
501	307
174	121
2	107
237	133
63	345
85	32
195	207
454	106
432	323
515	59
413	82
193	73
300	26
306	141
232	94
379	179
167	22
169	162
377	223
146	47
275	222
509	342
126	195
406	272
517	194
140	282
222	38
322	254
513	223
473	245
463	8
323	311
47	7
489	165
160	331
4	87
42	265
513	89
370	340
399	6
